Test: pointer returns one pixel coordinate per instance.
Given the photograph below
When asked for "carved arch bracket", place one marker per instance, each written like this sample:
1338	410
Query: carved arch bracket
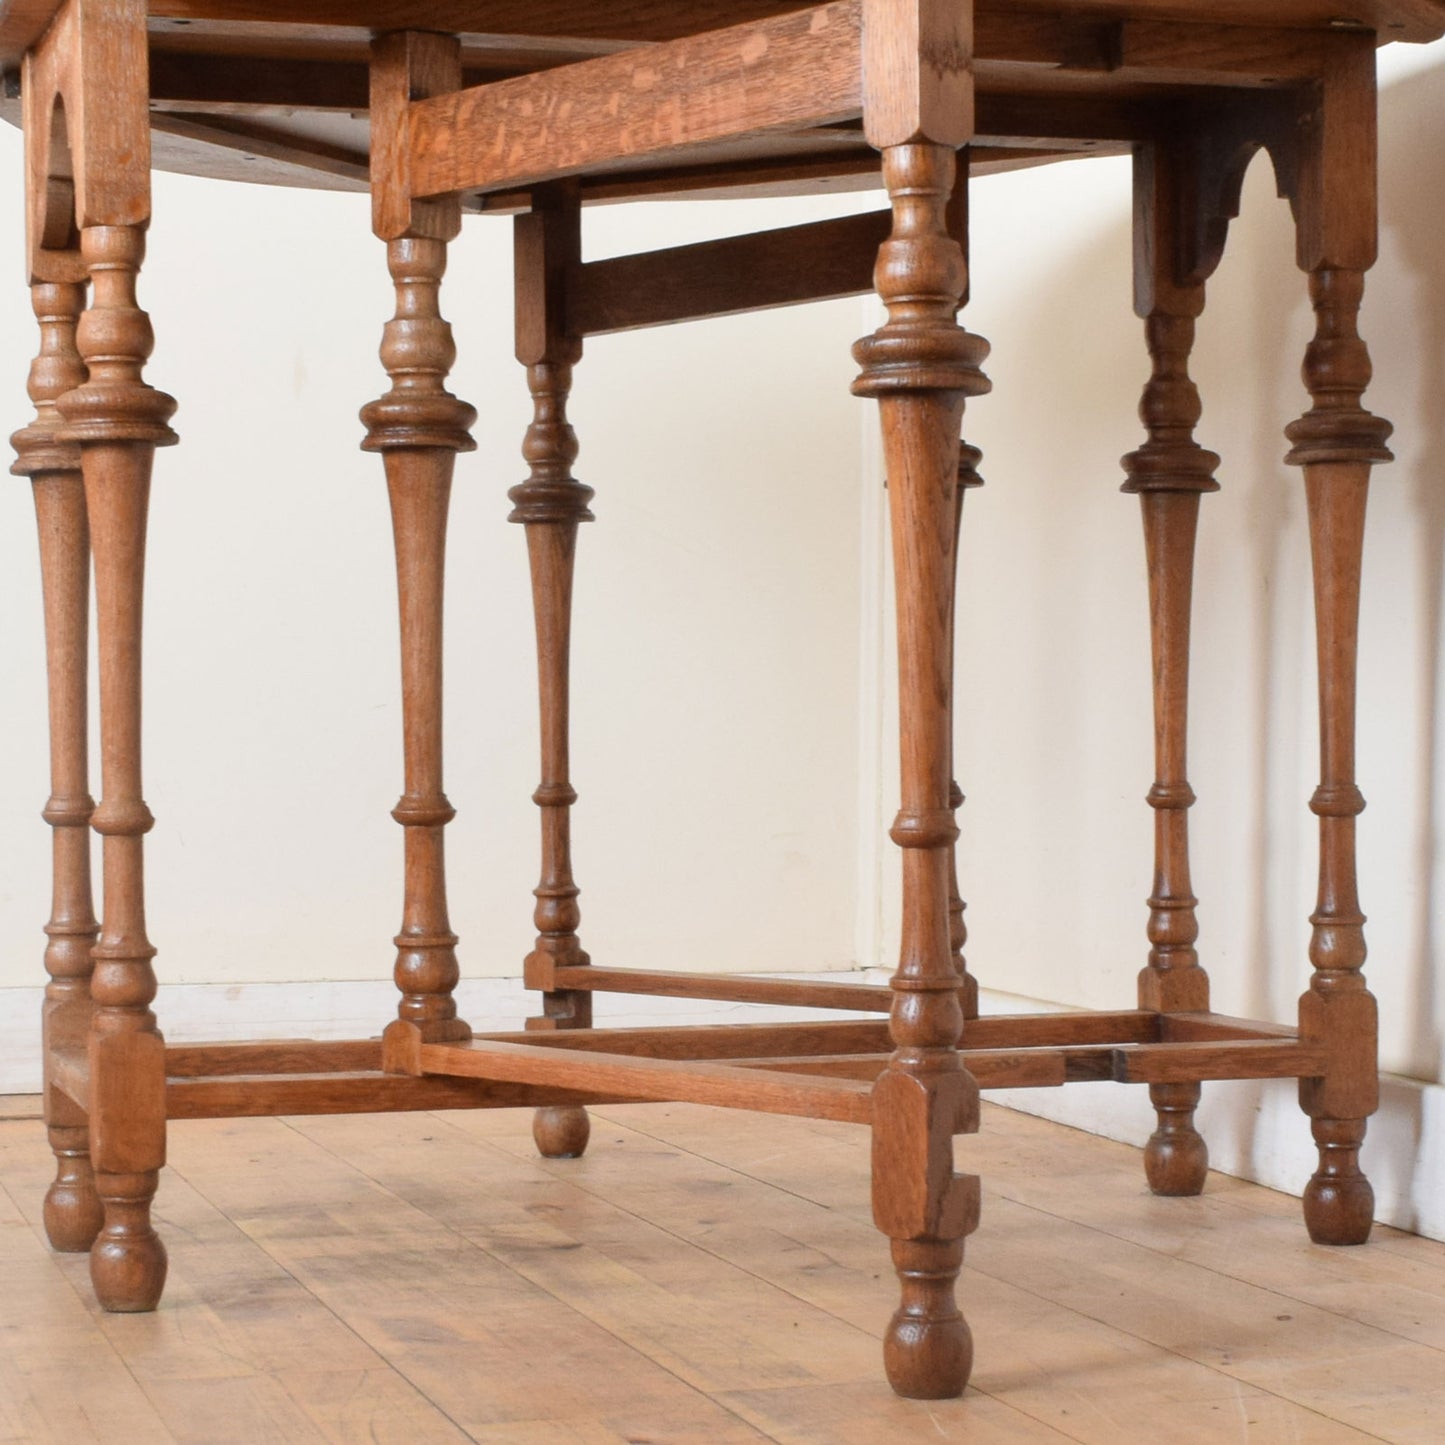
87	141
1217	146
1310	133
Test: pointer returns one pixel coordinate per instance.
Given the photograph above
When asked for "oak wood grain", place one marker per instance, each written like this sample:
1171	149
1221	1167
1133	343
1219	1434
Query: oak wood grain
782	267
797	69
364	1092
604	1074
736	988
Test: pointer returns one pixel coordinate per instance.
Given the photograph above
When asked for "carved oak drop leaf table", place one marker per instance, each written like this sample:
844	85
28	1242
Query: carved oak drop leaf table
534	108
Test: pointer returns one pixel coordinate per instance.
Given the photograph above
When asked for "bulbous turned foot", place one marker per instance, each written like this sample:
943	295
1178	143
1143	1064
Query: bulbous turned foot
928	1348
73	1213
928	1359
128	1261
1339	1202
1176	1165
561	1132
1339	1211
1176	1158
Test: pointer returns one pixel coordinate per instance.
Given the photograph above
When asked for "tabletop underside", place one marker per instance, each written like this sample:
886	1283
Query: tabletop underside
276	90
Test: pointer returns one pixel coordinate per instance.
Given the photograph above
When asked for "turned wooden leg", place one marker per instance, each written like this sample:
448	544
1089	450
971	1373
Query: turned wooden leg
920	366
1336	443
73	1213
419	427
118	421
1170	472
968	460
550	504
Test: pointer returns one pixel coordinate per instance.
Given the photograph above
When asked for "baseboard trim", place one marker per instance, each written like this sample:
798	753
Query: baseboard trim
1254	1129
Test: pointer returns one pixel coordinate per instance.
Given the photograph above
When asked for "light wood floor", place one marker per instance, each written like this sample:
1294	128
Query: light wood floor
700	1277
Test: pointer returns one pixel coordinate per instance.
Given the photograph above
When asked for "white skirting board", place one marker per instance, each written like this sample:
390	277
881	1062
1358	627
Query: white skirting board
1254	1129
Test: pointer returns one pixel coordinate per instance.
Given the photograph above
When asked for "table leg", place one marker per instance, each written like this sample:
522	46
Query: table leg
419	428
551	503
1169	472
920	366
1338	1009
118	422
1336	442
73	1213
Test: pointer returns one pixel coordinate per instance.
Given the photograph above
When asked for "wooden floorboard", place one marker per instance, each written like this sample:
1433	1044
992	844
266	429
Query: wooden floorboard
701	1276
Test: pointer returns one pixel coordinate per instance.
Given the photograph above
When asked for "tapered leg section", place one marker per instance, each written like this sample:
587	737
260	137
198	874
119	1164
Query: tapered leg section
118	421
1176	1159
920	366
1336	443
419	427
72	1213
551	504
1338	1010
